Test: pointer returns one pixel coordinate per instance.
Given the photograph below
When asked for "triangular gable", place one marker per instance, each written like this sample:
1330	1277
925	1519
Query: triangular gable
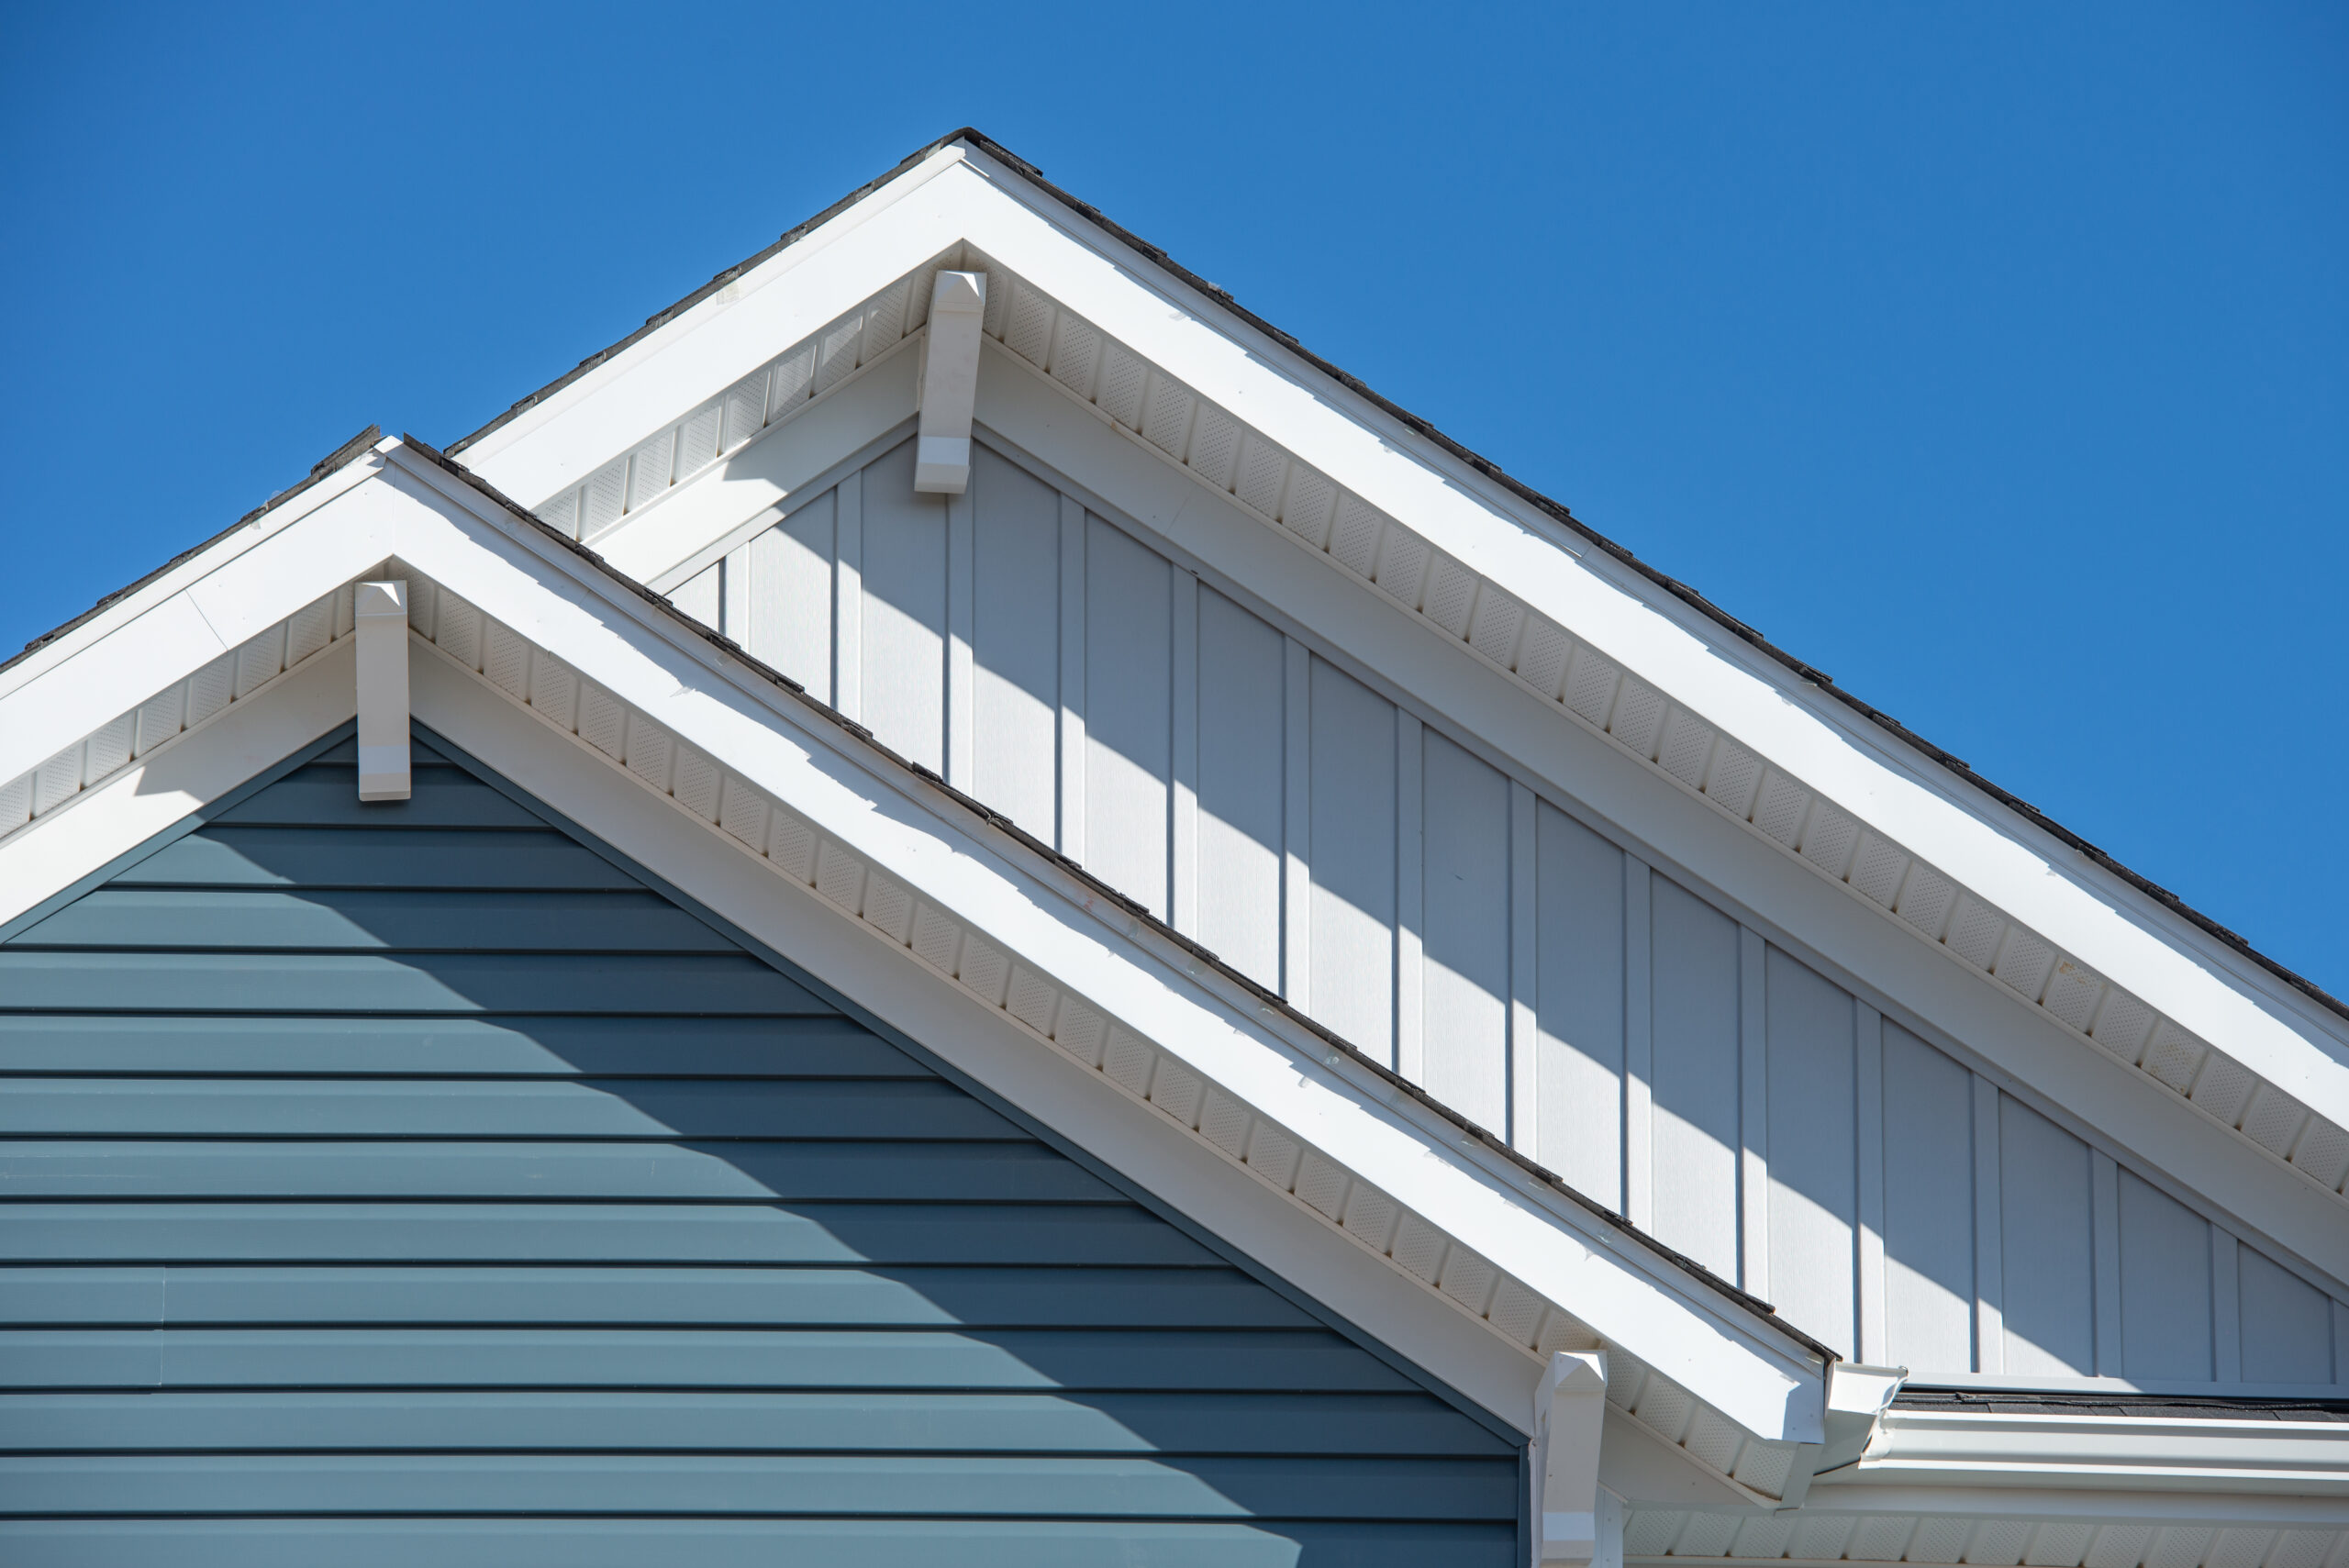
1708	712
741	787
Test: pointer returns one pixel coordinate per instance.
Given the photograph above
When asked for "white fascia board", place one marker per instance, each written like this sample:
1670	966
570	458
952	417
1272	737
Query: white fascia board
1769	1385
192	614
2090	1499
1767	709
724	338
1879	956
2198	1454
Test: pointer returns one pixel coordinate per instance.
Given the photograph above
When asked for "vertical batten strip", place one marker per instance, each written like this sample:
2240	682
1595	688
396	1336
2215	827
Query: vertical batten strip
2226	1306
1524	1043
848	605
1753	1112
2104	1227
1296	825
1639	1044
1868	1086
1411	897
734	596
1990	1272
962	676
1182	841
1072	623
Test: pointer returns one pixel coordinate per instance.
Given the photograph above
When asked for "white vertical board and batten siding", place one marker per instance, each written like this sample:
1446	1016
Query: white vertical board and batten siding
1666	1059
1288	494
1240	685
1015	648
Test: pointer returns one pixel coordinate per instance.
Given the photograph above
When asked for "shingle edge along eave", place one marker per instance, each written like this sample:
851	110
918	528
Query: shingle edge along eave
1099	890
1549	509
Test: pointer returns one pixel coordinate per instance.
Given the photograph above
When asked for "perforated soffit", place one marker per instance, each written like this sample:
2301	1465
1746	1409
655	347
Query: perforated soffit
1144	403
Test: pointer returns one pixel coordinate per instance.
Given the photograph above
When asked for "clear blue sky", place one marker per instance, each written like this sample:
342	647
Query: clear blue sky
1994	358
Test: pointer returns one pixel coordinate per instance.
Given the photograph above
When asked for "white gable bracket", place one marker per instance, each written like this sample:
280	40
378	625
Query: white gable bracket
381	611
1575	1519
950	383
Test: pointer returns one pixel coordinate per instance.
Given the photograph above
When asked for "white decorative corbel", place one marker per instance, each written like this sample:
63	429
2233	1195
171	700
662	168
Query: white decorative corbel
950	383
1576	1520
380	612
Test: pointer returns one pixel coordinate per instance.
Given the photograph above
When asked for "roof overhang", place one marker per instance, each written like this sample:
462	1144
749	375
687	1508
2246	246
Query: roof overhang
711	770
2014	909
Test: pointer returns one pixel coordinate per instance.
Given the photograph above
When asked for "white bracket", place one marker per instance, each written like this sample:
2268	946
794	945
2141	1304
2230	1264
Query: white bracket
1576	1520
950	383
380	612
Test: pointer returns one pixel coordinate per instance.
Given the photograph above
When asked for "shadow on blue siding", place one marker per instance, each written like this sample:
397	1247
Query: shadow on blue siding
376	1180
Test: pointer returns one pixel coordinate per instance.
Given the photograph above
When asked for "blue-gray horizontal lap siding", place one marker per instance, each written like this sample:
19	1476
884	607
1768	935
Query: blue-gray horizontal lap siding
390	1182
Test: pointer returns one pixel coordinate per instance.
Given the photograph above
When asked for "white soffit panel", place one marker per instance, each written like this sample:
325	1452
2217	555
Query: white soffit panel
1723	722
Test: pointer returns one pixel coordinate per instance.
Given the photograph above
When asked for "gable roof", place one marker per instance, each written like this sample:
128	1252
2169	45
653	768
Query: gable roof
524	619
1264	997
1089	888
1549	506
1087	314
